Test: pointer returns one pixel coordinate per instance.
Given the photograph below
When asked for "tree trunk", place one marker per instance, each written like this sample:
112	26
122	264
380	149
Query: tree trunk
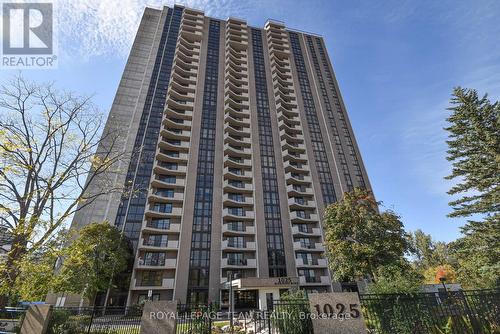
11	271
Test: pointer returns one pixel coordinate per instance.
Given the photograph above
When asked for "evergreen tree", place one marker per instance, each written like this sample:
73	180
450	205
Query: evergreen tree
474	150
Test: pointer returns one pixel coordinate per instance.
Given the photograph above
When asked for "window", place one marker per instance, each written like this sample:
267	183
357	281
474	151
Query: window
236	242
173	154
236	259
163	207
156	240
236	197
236	171
167	178
153	259
151	278
236	226
163	224
237	211
165	192
236	183
199	266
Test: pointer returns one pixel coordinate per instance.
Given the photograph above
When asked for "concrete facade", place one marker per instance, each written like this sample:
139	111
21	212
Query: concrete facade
242	140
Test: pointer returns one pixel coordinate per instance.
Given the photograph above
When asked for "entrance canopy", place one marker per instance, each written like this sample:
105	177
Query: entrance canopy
263	283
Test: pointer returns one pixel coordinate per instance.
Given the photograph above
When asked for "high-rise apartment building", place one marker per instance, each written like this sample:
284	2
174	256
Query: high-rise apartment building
240	141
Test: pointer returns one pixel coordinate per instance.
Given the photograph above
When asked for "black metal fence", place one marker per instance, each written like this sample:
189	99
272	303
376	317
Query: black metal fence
11	318
476	312
197	319
110	320
291	317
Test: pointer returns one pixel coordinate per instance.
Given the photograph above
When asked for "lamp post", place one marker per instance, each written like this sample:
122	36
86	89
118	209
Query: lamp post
231	301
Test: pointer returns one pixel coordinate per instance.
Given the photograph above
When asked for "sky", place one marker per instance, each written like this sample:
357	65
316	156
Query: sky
396	61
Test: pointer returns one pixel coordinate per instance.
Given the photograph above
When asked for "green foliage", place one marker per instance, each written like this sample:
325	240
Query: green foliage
478	255
474	150
427	252
92	259
397	314
396	278
36	271
359	239
63	322
289	316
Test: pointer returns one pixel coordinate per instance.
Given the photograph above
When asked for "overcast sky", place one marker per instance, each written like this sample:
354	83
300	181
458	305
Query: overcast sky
396	61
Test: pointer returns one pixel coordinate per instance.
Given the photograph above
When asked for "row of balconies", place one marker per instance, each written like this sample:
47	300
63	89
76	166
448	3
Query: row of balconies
166	194
238	214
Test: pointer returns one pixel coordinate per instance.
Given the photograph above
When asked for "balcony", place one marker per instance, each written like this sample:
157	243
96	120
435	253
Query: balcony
174	144
295	138
295	167
173	156
237	162
156	264
163	181
312	246
244	246
241	263
179	114
313	231
246	201
237	151
307	217
291	155
228	229
177	134
177	123
320	263
237	188
227	213
314	280
164	197
162	228
159	284
242	174
301	203
299	178
301	190
169	245
163	167
176	212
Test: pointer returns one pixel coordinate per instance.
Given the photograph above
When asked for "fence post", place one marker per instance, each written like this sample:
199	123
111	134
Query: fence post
91	319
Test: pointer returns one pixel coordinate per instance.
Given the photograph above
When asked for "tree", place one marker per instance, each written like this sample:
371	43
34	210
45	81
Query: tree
36	270
477	255
91	260
359	240
474	150
433	275
49	143
427	252
396	278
